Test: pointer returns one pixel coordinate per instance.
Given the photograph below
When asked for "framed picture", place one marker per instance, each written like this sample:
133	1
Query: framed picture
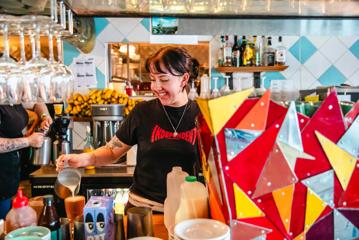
164	25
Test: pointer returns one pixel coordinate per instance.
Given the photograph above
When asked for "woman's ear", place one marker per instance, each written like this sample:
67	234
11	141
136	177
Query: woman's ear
185	79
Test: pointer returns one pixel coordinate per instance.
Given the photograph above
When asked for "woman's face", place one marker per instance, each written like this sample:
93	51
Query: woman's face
169	88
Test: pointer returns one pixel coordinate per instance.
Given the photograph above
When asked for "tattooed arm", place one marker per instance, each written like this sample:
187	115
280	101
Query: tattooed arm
12	144
101	156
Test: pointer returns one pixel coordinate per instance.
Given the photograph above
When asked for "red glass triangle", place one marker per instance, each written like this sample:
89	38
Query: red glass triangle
206	138
245	168
264	222
327	118
243	230
298	209
350	198
269	179
352	114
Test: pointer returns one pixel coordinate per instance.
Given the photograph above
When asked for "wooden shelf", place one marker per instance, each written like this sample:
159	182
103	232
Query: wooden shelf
251	69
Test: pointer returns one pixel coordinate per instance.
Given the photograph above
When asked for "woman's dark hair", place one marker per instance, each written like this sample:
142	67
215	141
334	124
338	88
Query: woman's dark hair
173	60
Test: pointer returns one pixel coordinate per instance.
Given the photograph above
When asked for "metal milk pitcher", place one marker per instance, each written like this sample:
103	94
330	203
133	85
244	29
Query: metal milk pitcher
42	155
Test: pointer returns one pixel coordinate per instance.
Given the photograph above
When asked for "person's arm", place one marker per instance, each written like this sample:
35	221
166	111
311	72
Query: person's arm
43	113
12	144
101	156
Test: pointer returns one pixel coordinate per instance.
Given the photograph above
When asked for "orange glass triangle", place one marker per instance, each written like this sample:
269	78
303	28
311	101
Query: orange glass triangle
256	119
284	198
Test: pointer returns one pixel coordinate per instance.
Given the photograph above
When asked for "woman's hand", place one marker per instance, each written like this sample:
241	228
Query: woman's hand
45	123
74	160
36	139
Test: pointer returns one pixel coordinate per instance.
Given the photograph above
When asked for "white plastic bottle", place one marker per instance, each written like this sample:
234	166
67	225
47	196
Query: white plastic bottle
21	214
193	201
174	180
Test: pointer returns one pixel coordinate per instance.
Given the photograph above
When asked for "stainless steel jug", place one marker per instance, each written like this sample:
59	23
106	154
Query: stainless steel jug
66	178
42	156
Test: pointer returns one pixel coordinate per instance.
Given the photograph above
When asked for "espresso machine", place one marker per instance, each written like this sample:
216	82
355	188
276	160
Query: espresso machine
62	144
106	119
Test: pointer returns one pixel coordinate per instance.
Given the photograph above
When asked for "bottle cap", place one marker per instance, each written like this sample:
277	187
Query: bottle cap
191	179
20	200
47	199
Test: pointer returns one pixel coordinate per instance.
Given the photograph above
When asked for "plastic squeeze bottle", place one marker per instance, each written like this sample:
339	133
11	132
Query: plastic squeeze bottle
21	214
193	200
174	180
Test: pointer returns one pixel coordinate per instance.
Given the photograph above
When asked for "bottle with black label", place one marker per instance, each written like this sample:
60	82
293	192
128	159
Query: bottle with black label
269	54
49	218
236	53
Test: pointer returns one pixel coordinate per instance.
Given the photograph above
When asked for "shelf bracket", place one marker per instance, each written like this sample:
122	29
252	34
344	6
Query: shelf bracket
257	80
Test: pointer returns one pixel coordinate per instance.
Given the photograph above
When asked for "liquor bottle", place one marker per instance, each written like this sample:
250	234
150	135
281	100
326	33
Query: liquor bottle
281	52
236	53
269	54
221	52
49	218
248	54
227	53
257	56
242	48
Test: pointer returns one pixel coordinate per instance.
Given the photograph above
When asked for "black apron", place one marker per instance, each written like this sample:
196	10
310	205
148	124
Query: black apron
13	120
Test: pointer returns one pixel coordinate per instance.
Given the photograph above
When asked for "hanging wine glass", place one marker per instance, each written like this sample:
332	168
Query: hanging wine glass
225	90
215	92
8	84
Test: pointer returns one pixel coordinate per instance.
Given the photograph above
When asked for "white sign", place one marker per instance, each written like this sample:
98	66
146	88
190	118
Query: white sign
85	73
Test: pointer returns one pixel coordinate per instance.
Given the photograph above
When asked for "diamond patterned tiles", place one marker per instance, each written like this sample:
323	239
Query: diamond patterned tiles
100	25
269	76
303	49
355	49
332	77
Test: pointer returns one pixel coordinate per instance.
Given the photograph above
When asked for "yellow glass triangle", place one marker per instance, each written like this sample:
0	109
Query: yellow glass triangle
245	207
218	111
283	198
300	236
342	162
313	209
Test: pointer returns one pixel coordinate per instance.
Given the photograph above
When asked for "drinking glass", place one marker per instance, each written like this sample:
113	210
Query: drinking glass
74	207
192	92
215	92
225	90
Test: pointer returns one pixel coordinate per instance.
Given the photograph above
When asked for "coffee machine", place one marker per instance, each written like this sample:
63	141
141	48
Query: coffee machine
62	144
106	120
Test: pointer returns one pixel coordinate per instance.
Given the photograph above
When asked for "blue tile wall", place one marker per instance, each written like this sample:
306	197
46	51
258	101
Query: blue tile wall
312	60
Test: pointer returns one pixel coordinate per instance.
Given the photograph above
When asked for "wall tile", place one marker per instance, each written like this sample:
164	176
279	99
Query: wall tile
125	25
347	64
110	34
317	64
307	78
333	49
303	49
332	77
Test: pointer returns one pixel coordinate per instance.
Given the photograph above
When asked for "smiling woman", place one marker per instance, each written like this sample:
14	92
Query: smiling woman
163	129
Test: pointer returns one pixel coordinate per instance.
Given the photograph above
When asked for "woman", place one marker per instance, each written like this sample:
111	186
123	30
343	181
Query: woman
163	129
13	119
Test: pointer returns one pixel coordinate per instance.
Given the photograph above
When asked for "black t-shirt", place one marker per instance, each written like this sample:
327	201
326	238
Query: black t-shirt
13	120
157	149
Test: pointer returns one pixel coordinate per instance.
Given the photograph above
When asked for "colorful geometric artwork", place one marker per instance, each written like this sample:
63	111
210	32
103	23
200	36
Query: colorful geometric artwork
276	174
